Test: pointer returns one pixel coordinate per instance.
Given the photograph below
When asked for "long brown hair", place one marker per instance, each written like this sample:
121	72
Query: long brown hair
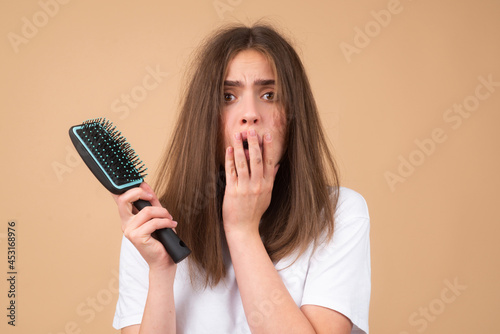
190	179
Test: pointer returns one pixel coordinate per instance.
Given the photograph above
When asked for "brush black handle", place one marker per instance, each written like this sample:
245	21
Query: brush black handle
175	247
141	204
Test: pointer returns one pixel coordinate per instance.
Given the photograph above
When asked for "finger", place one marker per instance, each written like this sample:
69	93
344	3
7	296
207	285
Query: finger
125	200
152	225
269	164
147	214
256	170
230	168
147	188
142	236
240	159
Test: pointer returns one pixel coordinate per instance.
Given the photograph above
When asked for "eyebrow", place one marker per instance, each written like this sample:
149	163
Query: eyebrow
258	82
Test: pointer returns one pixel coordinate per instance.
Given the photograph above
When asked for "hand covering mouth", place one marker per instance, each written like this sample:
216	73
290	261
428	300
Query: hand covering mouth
244	139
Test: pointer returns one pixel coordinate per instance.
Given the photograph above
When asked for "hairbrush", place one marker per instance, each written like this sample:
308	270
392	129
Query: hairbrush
115	164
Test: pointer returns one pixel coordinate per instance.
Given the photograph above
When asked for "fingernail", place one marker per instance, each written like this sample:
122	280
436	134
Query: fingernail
149	195
237	136
252	132
175	223
268	136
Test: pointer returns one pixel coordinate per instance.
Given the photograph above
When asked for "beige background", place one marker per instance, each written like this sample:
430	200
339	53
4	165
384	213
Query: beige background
435	226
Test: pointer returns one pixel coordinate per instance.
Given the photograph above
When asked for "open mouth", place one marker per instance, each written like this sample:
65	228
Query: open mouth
245	144
245	148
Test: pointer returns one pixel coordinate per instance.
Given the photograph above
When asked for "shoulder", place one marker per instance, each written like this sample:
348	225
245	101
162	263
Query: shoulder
350	205
351	218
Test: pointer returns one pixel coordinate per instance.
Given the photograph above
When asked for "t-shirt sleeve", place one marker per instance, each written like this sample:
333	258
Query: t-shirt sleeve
133	288
339	275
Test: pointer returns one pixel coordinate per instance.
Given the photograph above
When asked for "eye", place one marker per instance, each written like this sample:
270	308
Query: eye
269	96
228	97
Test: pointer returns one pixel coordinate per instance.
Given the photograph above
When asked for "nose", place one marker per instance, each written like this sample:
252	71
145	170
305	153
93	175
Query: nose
250	115
250	119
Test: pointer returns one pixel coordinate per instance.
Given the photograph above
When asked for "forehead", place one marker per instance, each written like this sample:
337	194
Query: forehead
249	65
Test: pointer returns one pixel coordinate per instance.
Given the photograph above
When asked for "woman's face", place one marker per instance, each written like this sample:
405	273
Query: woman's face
249	102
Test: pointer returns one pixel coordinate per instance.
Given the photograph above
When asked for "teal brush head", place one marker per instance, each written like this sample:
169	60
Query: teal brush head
108	155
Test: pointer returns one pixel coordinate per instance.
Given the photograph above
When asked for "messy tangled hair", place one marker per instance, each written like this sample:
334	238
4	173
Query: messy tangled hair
191	182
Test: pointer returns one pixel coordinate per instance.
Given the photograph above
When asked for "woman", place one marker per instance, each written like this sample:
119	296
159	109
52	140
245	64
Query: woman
249	177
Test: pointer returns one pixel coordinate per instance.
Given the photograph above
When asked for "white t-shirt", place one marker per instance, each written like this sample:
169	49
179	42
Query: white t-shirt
336	276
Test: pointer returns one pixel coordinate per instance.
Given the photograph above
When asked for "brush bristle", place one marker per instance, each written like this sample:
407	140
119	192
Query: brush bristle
112	151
